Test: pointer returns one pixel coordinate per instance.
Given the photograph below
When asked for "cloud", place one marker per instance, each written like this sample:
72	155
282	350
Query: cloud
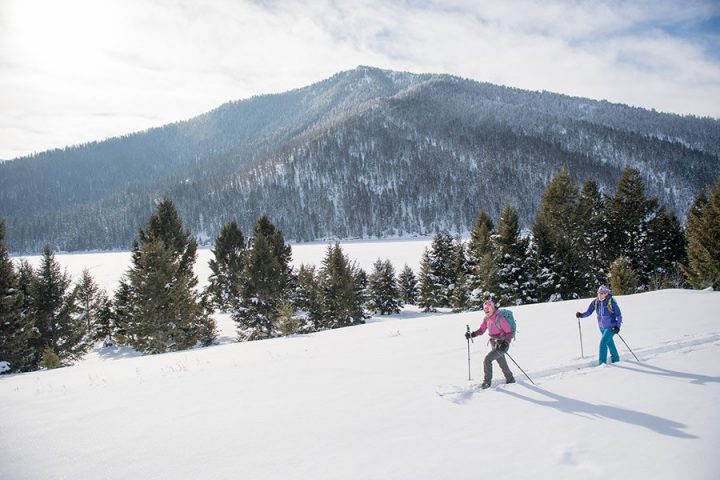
152	62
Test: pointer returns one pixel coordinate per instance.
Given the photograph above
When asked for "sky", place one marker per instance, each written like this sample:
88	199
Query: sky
82	70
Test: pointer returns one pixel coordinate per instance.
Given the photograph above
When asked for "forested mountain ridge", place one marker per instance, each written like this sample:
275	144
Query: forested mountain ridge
364	153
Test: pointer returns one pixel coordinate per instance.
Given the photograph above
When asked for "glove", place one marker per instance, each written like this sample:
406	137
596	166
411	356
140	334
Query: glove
501	345
616	329
578	314
468	335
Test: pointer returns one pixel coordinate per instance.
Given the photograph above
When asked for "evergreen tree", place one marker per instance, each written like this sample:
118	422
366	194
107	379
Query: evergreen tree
407	283
630	221
459	290
362	288
227	266
592	234
702	269
281	251
106	323
17	329
157	305
437	273
428	291
668	251
479	253
558	263
384	292
261	292
54	306
510	251
91	299
265	283
341	306
307	299
623	280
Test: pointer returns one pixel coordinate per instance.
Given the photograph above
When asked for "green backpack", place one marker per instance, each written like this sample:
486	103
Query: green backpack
508	316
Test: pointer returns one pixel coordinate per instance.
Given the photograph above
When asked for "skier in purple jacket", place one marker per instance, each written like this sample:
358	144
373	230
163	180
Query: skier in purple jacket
609	320
501	334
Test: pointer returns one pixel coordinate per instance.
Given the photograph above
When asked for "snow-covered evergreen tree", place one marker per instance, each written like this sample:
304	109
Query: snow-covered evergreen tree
559	265
306	299
17	328
479	253
408	285
592	233
384	291
341	306
510	253
427	290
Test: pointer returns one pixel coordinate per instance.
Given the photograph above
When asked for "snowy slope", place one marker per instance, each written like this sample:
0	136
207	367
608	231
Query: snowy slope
363	403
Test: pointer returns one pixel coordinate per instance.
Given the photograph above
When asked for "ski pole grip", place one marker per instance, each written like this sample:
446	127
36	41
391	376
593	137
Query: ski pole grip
468	331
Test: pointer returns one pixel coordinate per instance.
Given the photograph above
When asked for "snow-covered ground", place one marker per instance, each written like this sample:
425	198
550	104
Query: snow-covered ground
107	267
364	403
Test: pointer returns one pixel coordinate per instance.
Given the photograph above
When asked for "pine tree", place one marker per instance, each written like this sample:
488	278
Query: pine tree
510	253
17	329
362	288
157	305
261	292
341	306
668	251
592	234
630	218
427	291
384	292
437	273
227	266
407	283
91	299
623	280
54	306
702	269
479	255
558	263
459	290
306	299
265	282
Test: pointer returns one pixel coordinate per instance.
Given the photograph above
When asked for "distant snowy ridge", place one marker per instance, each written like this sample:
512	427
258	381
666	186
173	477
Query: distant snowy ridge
366	153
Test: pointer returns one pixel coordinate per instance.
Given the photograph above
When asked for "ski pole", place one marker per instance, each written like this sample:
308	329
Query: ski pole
582	353
468	331
511	358
628	347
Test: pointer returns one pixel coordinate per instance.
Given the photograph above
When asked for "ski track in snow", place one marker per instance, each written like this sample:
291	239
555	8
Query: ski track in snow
459	394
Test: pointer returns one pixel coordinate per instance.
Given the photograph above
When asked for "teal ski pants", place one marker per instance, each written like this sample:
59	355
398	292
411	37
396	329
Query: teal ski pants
607	343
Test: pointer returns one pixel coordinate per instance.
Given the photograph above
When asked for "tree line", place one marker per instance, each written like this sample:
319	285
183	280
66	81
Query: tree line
579	239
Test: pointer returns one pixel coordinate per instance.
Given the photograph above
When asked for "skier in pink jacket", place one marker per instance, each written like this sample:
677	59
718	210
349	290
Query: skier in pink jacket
501	334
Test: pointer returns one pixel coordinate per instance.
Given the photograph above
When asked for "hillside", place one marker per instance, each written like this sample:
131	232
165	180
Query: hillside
362	402
365	153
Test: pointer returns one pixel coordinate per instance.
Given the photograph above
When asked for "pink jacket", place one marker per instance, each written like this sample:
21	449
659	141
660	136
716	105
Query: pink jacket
504	332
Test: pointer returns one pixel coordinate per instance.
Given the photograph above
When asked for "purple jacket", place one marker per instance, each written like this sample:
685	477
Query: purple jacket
606	318
488	323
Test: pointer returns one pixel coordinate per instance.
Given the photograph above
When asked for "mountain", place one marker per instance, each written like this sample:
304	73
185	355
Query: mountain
365	153
362	403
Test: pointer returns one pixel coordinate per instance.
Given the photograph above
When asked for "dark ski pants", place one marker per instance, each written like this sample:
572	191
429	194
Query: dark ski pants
498	355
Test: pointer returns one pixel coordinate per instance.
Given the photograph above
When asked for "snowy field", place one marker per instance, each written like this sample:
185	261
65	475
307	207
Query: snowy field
107	267
386	400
